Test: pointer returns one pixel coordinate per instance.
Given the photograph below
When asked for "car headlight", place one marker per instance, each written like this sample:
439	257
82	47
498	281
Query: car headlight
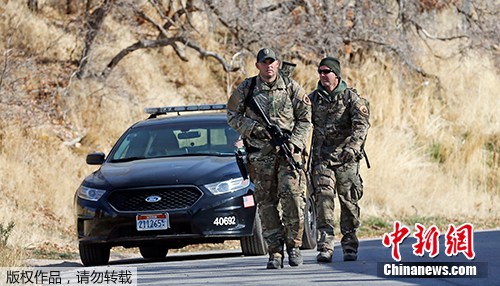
90	194
227	186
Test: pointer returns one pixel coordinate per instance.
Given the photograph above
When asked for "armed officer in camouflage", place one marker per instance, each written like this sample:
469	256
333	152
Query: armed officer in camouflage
341	122
287	105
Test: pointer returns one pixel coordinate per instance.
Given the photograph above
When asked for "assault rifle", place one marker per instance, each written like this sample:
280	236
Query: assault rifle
278	137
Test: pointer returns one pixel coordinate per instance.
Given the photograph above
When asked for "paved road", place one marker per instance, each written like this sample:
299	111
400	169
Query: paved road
231	268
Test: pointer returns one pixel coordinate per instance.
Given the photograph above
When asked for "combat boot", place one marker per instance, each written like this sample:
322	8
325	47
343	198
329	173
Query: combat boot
350	255
275	261
325	255
350	245
294	256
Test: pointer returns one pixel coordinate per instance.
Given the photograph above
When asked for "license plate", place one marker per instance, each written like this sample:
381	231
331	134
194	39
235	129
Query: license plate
152	222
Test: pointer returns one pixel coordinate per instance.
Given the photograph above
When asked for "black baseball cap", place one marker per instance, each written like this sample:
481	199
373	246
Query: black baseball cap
266	53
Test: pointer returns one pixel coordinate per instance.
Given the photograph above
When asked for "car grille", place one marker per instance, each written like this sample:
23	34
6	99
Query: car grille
171	198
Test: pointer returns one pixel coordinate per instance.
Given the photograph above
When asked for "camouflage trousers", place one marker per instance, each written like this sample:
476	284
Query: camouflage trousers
346	182
279	194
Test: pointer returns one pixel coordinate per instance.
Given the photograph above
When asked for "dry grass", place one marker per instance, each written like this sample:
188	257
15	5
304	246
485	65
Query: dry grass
429	146
434	150
12	257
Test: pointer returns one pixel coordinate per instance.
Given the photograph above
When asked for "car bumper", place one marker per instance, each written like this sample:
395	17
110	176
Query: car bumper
212	219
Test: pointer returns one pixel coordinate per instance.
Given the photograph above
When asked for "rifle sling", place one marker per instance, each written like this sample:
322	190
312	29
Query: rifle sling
249	96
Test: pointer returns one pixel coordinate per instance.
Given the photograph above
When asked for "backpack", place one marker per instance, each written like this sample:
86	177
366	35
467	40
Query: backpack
285	71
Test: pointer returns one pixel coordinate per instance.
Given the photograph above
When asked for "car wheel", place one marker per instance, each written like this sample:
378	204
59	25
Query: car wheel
153	251
94	254
255	244
310	232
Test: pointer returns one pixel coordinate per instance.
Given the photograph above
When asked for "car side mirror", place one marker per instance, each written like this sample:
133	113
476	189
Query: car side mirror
96	158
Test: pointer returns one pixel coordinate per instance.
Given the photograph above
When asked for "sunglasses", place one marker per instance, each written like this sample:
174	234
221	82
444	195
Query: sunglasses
324	71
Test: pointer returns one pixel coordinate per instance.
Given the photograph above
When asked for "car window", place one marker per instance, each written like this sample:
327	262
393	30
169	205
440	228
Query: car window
176	140
196	137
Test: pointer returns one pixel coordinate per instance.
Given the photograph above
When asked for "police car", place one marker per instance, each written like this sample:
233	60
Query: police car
169	182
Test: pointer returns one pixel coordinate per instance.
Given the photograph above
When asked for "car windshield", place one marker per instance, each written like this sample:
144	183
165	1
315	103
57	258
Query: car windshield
172	140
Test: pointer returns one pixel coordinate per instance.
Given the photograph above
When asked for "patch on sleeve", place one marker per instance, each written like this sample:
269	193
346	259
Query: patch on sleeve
364	110
306	100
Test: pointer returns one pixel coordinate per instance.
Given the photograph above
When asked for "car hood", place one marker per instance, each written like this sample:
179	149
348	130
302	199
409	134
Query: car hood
193	170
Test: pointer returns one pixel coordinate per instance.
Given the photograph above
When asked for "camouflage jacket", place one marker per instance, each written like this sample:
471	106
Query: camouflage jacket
340	120
286	105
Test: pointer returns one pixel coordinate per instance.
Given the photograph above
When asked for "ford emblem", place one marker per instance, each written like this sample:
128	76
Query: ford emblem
153	199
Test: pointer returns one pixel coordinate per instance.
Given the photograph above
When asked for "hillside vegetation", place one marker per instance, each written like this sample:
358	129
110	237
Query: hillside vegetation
434	144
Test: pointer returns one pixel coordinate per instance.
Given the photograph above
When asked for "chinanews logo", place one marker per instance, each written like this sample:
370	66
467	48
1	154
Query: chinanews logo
457	240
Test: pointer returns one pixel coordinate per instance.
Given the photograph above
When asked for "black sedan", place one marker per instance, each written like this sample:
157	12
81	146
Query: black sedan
170	182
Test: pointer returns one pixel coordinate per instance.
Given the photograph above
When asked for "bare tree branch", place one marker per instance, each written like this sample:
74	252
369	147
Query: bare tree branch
94	23
204	53
423	31
305	29
280	5
178	14
170	22
164	39
5	66
187	10
160	28
142	44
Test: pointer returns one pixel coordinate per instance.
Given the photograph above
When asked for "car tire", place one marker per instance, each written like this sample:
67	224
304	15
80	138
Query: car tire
310	235
153	251
310	232
94	254
255	244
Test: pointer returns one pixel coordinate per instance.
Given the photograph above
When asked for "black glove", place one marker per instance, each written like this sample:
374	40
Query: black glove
260	132
347	155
